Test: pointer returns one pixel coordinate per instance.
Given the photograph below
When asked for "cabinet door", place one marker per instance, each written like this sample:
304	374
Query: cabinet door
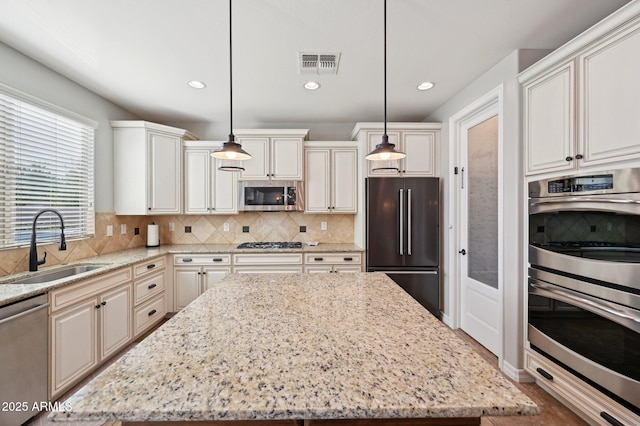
286	159
74	344
187	286
165	174
344	170
224	190
257	168
317	182
197	178
610	101
116	326
318	269
420	149
347	269
549	130
375	138
212	275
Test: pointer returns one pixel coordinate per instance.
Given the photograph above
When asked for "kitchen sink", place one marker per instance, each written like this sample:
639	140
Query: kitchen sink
59	274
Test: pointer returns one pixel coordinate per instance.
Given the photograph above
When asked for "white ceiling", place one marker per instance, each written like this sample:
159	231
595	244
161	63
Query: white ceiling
141	53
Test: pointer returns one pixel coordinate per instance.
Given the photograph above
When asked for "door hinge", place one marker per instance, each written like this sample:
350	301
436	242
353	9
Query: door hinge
455	170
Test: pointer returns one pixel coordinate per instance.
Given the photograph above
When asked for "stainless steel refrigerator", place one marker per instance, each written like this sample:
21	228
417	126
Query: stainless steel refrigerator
403	234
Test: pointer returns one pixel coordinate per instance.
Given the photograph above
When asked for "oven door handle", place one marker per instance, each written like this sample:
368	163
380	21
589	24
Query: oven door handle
622	315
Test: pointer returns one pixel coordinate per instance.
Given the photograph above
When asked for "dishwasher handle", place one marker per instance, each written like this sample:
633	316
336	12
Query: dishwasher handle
23	313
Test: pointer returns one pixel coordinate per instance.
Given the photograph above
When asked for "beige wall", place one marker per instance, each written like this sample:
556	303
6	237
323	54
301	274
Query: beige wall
279	226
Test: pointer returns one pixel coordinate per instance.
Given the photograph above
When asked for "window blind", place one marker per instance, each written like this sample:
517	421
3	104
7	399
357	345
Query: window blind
46	161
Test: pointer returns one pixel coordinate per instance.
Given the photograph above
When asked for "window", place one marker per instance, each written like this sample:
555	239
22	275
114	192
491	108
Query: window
46	161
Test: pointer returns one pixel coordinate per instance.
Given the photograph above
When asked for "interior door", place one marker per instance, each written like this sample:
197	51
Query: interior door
480	307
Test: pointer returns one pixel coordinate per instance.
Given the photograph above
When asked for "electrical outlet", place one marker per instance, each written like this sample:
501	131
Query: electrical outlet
172	226
123	229
323	226
303	228
225	227
187	229
109	230
136	231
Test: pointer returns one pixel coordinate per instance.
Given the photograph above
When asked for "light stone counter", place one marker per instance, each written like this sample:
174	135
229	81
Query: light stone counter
305	346
10	293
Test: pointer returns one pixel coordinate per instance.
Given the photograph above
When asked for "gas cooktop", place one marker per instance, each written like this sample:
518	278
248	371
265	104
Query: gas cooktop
270	245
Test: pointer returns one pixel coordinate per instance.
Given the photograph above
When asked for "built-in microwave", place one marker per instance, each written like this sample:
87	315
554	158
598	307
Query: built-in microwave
259	195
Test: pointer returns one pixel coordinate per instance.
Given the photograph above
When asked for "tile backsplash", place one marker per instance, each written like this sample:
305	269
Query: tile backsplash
262	226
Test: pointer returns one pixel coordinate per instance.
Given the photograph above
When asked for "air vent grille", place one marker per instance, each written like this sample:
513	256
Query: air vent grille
319	63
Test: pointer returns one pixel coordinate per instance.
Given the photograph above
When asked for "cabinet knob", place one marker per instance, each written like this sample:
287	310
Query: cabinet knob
98	306
569	158
579	157
104	303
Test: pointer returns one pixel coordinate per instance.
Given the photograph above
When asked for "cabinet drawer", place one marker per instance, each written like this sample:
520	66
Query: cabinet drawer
257	269
69	295
149	287
148	267
267	259
148	314
333	258
202	259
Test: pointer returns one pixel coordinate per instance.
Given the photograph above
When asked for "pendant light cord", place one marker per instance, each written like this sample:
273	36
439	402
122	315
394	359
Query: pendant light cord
385	67
231	79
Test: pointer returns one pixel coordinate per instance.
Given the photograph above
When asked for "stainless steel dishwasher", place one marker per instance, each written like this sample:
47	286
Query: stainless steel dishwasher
23	359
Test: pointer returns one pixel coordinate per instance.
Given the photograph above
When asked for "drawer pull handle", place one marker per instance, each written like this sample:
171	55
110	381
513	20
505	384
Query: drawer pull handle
348	259
318	259
152	312
544	374
187	260
154	285
608	417
217	259
153	265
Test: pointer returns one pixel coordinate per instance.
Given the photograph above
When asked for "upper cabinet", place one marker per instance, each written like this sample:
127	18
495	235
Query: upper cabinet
207	190
581	103
331	182
275	154
147	168
418	140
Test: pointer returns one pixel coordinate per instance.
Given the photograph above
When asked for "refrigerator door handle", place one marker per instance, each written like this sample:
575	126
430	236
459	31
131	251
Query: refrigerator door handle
409	222
401	221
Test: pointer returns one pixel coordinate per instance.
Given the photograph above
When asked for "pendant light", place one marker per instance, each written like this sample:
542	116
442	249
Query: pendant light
231	153
385	151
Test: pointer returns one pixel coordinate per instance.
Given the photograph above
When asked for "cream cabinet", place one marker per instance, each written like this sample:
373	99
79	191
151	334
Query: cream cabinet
89	322
331	179
346	262
207	190
419	141
580	103
267	263
275	154
147	168
193	274
149	290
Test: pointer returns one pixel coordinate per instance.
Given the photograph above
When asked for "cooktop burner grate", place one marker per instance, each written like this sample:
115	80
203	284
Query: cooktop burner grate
270	245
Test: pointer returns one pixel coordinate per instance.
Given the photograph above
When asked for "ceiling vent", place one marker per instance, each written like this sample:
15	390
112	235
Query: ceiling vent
318	63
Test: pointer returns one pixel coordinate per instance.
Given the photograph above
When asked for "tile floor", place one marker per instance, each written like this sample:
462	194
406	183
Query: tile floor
553	412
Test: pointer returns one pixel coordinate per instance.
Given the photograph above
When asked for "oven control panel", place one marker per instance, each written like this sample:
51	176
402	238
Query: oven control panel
580	184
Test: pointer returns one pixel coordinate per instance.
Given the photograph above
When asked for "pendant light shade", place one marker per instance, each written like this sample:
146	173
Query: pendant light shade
231	154
385	151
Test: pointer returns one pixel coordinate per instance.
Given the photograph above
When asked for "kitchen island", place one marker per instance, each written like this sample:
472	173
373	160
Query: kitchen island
301	349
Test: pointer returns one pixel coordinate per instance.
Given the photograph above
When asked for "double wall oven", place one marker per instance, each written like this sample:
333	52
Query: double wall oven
584	278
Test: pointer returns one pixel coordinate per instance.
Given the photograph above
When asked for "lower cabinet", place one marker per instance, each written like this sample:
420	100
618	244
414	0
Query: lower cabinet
333	262
88	332
267	263
195	274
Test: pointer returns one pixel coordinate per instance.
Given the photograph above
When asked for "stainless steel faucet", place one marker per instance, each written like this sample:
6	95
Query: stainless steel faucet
33	252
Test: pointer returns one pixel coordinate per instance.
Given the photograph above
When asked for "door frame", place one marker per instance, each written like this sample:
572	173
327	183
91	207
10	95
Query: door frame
485	107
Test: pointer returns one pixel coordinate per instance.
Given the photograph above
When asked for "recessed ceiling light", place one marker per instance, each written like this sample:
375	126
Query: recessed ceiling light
197	84
425	85
312	85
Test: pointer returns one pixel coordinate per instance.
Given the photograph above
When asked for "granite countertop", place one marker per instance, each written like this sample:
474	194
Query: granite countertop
10	293
298	347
